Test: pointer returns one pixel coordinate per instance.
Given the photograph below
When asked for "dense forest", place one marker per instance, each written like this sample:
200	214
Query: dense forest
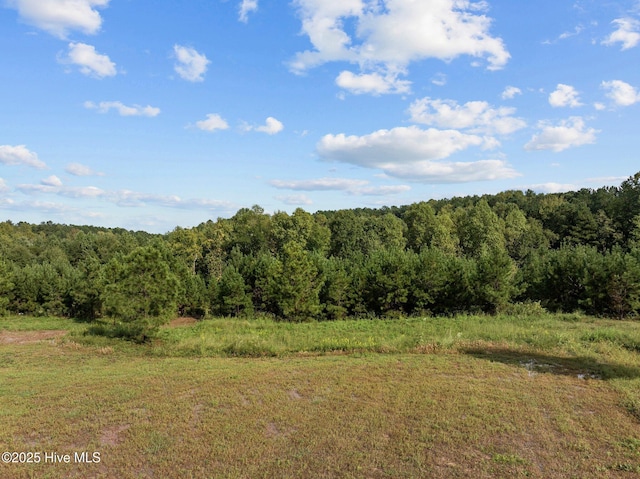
564	252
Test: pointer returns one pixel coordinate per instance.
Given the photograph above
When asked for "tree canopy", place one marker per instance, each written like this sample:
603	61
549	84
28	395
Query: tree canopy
567	251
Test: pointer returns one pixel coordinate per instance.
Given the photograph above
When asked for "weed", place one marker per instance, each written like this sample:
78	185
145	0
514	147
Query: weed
512	459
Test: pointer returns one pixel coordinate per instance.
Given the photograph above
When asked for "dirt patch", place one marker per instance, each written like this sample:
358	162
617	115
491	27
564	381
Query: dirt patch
181	322
111	435
29	337
293	394
272	430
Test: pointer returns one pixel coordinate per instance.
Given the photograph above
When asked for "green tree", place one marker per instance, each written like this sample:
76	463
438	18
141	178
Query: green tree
249	231
139	292
334	294
6	286
86	301
479	227
421	226
494	279
185	245
232	298
294	284
347	234
386	282
428	279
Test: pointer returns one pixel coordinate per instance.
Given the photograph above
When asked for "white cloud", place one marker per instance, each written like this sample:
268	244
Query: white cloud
58	17
452	172
123	110
271	126
621	92
60	190
52	180
20	155
3	186
212	123
552	187
295	200
350	186
191	65
477	116
128	198
564	95
385	190
373	83
414	154
576	31
389	35
439	79
510	92
320	184
567	134
628	33
606	180
398	145
396	32
123	198
76	169
91	63
247	6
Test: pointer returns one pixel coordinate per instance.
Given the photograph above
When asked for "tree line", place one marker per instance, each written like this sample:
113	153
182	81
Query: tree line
567	251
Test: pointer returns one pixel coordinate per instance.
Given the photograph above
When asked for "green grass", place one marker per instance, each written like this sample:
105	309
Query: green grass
39	323
472	396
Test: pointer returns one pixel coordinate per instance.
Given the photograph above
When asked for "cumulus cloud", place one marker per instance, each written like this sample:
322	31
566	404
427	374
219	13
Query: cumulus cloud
350	186
91	63
20	155
414	154
621	93
212	123
510	92
564	95
552	187
627	33
434	172
567	134
396	32
191	65
390	34
476	116
122	109
59	17
246	7
52	180
398	145
271	126
373	83
77	169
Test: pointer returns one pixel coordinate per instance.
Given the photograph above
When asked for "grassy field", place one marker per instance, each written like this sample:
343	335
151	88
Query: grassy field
474	396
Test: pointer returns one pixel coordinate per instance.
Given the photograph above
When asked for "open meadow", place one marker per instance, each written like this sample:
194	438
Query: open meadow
546	396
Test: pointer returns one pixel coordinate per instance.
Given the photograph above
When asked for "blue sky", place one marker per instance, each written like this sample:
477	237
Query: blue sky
155	114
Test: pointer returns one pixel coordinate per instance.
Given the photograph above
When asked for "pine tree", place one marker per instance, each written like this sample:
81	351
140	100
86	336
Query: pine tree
139	292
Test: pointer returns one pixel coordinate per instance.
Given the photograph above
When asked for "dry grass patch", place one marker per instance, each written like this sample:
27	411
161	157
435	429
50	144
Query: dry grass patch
376	416
29	337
